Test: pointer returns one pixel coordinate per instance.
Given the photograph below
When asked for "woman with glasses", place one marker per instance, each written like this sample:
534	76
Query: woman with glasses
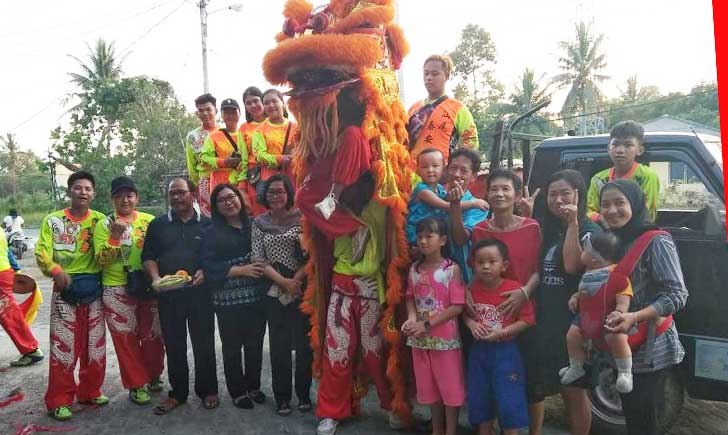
276	244
237	294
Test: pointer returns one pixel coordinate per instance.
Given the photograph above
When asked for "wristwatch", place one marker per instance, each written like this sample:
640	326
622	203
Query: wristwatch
428	325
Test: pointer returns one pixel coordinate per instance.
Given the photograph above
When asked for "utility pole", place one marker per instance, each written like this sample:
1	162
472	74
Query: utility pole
203	32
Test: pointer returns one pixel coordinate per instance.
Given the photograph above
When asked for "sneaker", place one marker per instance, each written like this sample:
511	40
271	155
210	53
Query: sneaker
156	385
571	374
257	396
624	383
140	396
327	426
28	359
99	401
62	413
395	423
284	409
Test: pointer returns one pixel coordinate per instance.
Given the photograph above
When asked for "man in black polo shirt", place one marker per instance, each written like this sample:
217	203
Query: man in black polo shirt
173	243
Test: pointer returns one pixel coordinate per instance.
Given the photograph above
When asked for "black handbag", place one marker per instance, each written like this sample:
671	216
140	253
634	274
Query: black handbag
137	284
84	289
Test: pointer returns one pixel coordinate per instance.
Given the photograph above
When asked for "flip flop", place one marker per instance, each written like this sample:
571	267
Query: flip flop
211	402
166	406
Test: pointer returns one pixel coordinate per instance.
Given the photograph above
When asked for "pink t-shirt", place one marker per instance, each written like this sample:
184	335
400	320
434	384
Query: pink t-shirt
434	291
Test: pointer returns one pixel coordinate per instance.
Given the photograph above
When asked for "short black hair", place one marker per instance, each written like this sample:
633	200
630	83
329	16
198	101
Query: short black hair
286	185
628	129
188	182
607	245
508	175
429	151
486	243
470	155
81	175
205	98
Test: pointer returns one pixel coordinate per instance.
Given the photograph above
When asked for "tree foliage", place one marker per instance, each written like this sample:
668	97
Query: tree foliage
123	126
582	62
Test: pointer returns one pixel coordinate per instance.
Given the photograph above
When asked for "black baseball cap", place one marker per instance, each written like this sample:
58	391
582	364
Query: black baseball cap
229	103
123	182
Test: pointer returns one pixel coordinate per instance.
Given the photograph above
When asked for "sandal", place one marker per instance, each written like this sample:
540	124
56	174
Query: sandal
284	409
257	396
211	402
166	406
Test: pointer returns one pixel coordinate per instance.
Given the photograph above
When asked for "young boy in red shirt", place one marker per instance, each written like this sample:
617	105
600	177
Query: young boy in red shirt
496	375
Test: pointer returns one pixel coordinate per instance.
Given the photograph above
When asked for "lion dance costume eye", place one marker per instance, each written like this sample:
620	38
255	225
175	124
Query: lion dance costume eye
340	61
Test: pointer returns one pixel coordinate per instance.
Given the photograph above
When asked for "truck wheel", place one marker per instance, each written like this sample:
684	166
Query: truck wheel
607	416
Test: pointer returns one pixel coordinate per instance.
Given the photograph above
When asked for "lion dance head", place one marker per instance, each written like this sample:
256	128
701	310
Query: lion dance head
340	61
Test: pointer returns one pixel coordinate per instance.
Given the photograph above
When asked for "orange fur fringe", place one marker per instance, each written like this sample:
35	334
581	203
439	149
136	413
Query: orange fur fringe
312	51
298	10
373	16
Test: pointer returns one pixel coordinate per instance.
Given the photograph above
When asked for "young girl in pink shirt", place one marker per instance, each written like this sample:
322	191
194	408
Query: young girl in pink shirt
435	298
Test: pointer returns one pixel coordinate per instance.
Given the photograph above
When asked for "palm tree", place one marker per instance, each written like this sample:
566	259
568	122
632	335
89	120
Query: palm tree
528	93
633	92
97	79
582	62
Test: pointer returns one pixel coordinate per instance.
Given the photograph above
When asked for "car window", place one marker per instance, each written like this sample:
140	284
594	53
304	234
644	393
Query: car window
681	187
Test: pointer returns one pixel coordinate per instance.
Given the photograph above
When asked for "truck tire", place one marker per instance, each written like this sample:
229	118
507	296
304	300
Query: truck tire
607	416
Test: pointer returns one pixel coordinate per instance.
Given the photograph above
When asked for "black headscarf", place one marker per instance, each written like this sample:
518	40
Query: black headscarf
640	221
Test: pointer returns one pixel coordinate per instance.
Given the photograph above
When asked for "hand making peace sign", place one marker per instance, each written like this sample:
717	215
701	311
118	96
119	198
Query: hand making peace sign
525	204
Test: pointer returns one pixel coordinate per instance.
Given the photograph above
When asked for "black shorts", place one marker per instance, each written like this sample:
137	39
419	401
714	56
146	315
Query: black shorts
529	343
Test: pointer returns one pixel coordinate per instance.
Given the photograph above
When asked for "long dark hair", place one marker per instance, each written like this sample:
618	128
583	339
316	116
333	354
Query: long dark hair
437	226
278	94
217	218
252	91
552	227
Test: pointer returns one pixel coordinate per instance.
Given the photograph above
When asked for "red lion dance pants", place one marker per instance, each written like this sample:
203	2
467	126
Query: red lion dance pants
137	336
11	316
351	325
77	334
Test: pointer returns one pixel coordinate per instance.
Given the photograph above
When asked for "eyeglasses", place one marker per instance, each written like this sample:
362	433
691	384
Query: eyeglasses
173	193
230	199
275	192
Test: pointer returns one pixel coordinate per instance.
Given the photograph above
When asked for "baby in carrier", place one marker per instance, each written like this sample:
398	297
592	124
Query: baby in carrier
604	293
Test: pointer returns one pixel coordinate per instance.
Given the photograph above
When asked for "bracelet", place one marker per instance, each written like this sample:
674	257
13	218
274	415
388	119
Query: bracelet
525	293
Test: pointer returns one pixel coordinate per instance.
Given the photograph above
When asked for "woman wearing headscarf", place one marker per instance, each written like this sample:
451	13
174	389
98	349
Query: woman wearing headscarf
659	292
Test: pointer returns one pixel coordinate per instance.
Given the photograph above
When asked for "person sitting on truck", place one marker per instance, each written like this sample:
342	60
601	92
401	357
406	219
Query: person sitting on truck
440	121
659	291
626	143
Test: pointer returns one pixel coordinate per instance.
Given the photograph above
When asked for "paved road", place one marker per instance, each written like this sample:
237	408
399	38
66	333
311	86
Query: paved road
123	417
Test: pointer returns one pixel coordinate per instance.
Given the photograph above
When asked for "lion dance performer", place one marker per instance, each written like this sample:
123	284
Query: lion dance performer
351	166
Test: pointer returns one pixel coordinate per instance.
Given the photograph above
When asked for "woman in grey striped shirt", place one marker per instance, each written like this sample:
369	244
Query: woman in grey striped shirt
659	291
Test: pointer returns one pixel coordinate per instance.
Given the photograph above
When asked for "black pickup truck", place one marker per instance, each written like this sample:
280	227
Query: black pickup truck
692	209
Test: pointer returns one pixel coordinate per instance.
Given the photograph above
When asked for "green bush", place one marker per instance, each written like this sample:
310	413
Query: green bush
31	206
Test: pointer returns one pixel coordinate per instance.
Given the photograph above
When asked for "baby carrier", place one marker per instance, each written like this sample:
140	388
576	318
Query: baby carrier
593	310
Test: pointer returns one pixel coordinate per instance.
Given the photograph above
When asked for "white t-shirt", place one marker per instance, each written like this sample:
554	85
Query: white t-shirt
14	224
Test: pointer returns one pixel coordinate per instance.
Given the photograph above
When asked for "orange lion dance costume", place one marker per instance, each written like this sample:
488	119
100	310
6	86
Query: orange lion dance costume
351	164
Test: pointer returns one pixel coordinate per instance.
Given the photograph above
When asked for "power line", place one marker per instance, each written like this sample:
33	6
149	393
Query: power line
648	103
121	54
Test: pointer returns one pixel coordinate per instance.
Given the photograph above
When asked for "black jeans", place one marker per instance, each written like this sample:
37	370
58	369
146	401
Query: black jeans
288	330
242	326
643	405
177	311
